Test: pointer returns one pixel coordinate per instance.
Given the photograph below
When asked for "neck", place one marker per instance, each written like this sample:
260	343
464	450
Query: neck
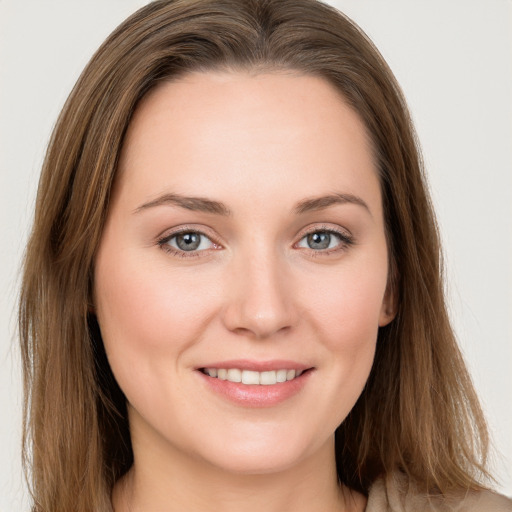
171	481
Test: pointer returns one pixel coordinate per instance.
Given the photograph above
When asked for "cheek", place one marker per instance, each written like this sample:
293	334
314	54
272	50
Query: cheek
348	308
149	316
346	319
147	311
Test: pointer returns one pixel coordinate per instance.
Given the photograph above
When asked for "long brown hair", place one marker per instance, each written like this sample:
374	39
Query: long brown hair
418	412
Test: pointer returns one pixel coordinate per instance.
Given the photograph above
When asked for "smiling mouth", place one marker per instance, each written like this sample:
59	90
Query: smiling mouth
251	377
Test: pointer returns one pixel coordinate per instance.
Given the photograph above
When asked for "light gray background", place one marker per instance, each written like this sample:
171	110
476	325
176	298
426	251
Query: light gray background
453	59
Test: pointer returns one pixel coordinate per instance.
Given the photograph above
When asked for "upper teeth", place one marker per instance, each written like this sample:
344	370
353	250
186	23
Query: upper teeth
252	377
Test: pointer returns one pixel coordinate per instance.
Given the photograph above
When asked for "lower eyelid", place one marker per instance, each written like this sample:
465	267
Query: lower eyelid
176	252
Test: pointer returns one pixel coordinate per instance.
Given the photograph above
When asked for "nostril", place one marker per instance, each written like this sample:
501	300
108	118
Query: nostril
260	331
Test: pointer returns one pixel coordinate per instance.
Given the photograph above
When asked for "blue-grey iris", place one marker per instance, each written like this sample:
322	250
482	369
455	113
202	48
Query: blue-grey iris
319	240
188	241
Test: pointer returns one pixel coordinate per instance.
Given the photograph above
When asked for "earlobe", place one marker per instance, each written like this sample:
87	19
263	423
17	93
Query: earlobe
389	307
386	317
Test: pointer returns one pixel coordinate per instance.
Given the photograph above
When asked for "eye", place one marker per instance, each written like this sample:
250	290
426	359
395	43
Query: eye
323	240
187	241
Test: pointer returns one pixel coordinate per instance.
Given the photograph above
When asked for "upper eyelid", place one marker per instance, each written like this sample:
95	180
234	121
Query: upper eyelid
169	233
330	228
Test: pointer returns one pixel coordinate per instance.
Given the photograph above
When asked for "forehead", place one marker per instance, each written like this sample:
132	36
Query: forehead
221	131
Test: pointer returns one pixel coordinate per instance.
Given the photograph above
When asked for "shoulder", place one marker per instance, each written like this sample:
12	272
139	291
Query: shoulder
395	493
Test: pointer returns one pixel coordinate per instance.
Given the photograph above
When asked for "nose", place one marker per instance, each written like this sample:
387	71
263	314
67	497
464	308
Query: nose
260	300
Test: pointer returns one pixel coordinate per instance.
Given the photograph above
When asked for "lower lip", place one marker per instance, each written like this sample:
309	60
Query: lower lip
256	395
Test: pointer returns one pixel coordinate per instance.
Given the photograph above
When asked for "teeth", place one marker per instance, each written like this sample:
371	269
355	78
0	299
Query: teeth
281	375
251	377
268	378
234	375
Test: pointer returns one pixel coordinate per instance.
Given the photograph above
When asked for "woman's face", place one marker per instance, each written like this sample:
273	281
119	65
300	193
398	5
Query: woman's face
245	239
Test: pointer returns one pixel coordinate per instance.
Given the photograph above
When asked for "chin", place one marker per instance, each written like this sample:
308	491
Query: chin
247	463
261	455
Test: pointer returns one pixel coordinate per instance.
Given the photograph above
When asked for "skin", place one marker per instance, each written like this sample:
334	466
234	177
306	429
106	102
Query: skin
262	145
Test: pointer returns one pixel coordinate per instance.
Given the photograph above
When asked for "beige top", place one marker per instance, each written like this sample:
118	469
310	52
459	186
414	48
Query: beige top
395	493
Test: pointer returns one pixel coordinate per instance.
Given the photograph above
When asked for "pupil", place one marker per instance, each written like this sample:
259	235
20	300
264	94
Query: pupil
188	241
319	240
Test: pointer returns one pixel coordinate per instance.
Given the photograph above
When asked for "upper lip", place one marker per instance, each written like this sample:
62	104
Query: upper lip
258	366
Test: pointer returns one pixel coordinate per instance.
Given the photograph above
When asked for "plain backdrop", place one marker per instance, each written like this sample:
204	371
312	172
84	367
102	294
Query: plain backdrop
453	59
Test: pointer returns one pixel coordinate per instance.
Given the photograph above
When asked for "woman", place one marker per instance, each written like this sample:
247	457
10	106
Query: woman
232	294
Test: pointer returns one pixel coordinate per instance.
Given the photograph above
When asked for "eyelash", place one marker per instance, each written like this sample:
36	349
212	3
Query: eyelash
163	243
345	241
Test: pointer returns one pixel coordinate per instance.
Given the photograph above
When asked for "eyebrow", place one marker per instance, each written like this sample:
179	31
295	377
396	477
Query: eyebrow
322	202
198	204
202	204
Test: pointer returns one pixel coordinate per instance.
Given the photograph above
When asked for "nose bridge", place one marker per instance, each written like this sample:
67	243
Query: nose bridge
260	302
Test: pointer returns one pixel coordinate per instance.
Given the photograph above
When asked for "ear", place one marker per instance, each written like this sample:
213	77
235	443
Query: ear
389	305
